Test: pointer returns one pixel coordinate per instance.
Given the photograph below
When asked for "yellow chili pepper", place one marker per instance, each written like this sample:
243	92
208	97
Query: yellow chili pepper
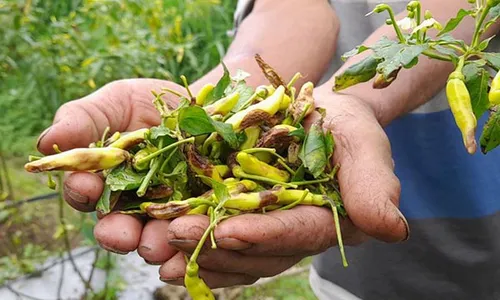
460	104
128	140
79	159
224	105
203	93
252	134
494	94
251	165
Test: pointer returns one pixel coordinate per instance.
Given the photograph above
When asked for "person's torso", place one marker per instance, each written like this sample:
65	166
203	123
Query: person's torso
451	200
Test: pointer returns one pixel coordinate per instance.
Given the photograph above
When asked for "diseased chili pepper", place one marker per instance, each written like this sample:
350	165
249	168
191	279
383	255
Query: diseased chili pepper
255	114
380	82
128	140
79	159
203	93
460	104
250	164
172	209
494	93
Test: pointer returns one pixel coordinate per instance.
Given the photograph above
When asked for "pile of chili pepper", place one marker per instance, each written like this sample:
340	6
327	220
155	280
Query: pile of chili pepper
226	151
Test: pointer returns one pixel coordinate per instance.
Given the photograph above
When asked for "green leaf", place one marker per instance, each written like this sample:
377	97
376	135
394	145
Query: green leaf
124	178
353	52
490	137
484	44
218	92
159	131
396	56
299	174
454	22
220	190
227	133
493	59
494	12
444	50
313	152
299	132
245	92
476	80
195	121
329	145
107	200
362	71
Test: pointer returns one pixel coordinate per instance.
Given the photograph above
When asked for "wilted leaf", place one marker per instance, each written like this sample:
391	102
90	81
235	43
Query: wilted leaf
490	137
271	75
313	152
354	52
357	73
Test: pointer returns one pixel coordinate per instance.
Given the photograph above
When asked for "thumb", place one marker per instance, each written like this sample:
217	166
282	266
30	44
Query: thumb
122	105
370	189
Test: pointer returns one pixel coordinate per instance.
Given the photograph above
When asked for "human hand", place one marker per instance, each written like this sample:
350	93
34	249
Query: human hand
261	245
123	105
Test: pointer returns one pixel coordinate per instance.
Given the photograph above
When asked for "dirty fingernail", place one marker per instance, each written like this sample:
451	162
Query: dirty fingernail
112	250
75	196
173	281
42	135
154	263
184	245
232	244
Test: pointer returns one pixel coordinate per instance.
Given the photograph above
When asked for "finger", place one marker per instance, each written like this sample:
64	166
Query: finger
82	190
153	246
122	105
172	272
370	189
118	233
304	230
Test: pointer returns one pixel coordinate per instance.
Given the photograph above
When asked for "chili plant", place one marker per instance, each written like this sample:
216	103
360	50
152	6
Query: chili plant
469	91
230	149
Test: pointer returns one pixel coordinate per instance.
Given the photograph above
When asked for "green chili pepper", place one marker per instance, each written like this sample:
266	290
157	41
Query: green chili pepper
252	135
460	104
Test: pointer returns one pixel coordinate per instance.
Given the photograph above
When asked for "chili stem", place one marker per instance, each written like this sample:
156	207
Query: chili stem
311	181
479	23
155	154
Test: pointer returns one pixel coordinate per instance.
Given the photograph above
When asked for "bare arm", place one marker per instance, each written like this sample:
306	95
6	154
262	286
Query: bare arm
292	36
415	86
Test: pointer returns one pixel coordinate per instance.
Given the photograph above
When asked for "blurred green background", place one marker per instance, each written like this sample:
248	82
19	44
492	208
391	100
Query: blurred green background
56	51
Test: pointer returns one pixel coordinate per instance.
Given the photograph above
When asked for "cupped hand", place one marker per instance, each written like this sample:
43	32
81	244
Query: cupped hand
262	245
249	246
123	105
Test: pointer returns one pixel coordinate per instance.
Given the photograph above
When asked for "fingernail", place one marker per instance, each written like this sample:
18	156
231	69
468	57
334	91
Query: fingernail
184	245
154	263
42	135
75	196
112	250
232	244
176	281
403	219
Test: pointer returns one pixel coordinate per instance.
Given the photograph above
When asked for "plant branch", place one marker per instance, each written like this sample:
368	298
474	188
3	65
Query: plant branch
479	25
437	56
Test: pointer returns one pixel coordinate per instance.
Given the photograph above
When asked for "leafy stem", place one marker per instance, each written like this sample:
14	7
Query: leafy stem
479	25
437	56
382	7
